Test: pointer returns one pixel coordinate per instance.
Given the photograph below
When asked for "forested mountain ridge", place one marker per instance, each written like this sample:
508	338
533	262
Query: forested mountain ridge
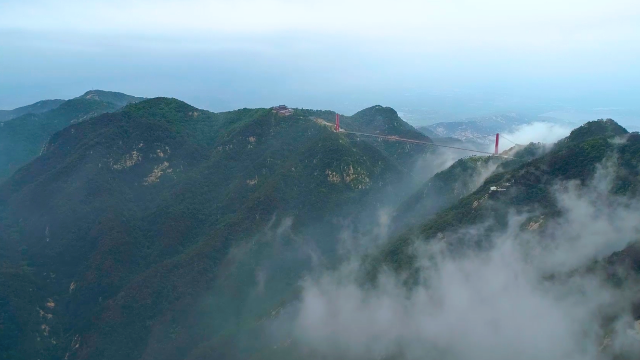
113	97
528	187
127	219
35	108
23	138
459	180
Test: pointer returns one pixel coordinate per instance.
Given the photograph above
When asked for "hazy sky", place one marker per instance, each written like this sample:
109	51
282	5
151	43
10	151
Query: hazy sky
343	54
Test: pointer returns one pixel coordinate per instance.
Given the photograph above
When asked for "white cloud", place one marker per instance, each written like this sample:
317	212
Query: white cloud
490	305
472	23
537	132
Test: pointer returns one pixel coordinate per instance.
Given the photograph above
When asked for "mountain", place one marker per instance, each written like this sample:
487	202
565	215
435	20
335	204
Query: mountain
380	120
35	108
117	98
457	181
356	315
601	128
529	186
158	231
23	138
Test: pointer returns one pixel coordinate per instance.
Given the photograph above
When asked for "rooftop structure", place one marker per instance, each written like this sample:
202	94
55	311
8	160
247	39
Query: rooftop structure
282	110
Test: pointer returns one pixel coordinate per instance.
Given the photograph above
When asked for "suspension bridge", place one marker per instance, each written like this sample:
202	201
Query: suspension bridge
396	138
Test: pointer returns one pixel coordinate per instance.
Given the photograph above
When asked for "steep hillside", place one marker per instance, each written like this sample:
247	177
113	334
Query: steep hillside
23	138
162	231
600	128
528	187
458	181
35	108
128	223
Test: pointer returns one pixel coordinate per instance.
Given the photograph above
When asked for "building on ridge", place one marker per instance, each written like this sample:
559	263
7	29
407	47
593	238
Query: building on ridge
282	110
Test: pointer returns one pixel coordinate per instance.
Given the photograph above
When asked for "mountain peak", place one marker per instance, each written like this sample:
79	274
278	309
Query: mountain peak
160	106
596	128
117	98
377	111
383	120
24	137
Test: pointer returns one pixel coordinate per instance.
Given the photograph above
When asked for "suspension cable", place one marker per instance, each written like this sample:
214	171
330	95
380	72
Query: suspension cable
395	138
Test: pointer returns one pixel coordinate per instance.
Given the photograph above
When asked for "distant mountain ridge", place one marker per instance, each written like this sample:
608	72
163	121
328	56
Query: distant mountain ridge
482	129
35	108
117	98
39	107
23	138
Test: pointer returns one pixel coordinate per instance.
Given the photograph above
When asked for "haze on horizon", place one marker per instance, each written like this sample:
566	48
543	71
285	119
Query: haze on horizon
455	59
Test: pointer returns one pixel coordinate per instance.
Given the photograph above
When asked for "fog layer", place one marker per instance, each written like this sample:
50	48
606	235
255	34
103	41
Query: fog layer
490	305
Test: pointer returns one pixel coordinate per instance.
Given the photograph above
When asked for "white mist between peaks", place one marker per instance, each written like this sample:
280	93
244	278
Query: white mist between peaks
537	132
486	306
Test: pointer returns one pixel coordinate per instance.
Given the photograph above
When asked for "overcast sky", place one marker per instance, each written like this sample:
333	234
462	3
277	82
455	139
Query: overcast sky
224	54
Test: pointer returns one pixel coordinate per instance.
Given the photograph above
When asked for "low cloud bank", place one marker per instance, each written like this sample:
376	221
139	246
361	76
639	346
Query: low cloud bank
537	132
543	132
489	305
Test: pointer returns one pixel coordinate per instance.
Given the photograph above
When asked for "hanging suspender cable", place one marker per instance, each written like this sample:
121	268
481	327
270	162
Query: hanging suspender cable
502	136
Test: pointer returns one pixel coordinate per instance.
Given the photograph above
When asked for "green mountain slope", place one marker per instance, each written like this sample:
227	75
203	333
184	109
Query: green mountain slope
528	187
23	138
112	97
600	128
381	120
127	220
457	181
35	108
